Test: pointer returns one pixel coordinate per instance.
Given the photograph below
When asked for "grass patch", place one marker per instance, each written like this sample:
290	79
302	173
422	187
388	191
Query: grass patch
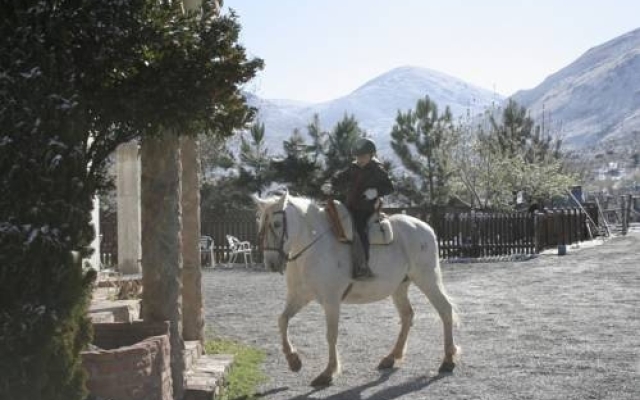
245	374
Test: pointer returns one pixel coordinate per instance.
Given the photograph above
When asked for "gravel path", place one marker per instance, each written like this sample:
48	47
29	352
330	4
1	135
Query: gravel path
549	328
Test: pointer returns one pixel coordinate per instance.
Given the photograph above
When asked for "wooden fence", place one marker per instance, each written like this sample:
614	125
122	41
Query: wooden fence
619	211
241	224
461	234
561	227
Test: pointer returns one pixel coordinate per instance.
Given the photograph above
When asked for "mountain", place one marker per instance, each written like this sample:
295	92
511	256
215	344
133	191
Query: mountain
595	98
374	104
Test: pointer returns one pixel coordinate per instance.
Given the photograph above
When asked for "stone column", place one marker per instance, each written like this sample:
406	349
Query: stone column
193	321
192	304
162	243
95	245
128	192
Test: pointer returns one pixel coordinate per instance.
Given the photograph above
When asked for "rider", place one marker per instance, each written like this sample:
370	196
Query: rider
361	184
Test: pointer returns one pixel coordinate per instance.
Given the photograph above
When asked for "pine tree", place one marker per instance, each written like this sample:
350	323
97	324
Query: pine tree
300	169
76	83
423	140
340	143
517	134
513	155
319	138
254	155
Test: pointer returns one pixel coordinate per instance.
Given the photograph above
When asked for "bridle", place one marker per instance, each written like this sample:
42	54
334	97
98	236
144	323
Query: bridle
285	235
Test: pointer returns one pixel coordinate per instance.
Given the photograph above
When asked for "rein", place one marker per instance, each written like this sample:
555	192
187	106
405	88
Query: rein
285	235
307	247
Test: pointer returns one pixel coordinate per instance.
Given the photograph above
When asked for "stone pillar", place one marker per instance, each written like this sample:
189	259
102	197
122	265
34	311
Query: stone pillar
193	321
192	308
128	192
95	245
162	242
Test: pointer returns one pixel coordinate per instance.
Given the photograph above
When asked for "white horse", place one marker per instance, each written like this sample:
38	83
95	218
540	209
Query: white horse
295	233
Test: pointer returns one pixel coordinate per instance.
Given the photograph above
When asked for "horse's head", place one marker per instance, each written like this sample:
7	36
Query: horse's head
274	233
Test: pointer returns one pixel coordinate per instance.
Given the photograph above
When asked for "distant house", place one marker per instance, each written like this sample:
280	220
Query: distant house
612	171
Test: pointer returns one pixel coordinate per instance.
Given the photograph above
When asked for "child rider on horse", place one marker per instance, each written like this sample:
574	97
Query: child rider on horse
361	185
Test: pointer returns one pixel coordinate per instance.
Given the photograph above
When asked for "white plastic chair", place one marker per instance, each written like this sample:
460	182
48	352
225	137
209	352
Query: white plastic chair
206	251
238	247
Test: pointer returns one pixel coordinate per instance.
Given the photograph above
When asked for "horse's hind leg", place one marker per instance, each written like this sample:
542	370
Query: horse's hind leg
401	301
430	283
294	304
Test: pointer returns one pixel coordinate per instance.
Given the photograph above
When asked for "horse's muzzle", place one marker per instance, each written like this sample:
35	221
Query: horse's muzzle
274	262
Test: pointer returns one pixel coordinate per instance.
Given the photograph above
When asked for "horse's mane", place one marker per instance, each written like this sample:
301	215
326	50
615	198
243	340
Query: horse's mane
303	204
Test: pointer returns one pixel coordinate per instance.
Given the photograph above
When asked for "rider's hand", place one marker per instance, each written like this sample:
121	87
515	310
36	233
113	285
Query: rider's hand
371	193
326	189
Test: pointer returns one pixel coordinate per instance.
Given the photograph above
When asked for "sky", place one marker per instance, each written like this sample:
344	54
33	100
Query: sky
319	50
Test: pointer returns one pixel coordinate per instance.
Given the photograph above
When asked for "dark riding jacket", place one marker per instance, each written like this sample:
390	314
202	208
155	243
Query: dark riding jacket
353	181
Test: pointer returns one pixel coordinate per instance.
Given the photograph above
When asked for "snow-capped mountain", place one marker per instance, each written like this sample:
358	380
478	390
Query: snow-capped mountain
595	98
375	104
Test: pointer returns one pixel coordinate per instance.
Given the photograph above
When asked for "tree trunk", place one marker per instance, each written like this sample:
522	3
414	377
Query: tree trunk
193	323
161	243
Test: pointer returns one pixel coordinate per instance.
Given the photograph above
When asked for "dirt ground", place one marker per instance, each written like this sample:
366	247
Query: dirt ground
555	327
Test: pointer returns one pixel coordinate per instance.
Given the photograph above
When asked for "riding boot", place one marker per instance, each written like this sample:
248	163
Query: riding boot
360	252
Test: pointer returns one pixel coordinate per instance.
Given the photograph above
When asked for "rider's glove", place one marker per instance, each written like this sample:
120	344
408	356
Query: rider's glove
371	193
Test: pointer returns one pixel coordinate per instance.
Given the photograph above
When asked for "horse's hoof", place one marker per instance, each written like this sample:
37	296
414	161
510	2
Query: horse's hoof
294	362
447	367
387	362
322	380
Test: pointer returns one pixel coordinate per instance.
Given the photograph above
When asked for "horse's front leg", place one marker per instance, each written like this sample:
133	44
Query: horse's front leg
332	316
293	306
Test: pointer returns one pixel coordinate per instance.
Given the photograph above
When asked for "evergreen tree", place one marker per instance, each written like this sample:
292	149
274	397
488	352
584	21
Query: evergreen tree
340	142
423	140
517	134
254	155
512	155
78	79
300	168
319	139
215	155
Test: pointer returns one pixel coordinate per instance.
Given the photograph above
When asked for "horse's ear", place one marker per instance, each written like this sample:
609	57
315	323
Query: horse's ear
284	199
262	204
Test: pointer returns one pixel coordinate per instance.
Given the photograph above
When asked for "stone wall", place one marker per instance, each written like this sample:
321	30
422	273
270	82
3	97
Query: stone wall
130	361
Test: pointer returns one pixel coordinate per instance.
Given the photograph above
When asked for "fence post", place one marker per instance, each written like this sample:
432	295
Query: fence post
539	228
531	233
628	210
623	212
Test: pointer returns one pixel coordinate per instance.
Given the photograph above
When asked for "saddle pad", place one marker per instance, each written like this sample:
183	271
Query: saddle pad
340	220
379	226
380	231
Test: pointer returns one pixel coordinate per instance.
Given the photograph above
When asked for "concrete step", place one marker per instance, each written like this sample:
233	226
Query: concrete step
122	310
192	351
101	317
206	379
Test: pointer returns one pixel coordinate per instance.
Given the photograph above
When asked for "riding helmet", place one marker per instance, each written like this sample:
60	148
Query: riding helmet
364	146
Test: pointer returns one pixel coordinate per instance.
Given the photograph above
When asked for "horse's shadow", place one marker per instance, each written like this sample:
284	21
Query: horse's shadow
388	393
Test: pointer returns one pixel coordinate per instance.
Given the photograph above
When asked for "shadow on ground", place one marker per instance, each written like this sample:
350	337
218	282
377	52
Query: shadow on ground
356	393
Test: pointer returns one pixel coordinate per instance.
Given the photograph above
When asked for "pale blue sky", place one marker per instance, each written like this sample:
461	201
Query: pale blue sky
317	50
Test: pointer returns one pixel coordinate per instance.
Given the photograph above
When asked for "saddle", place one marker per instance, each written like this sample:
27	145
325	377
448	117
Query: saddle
378	226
